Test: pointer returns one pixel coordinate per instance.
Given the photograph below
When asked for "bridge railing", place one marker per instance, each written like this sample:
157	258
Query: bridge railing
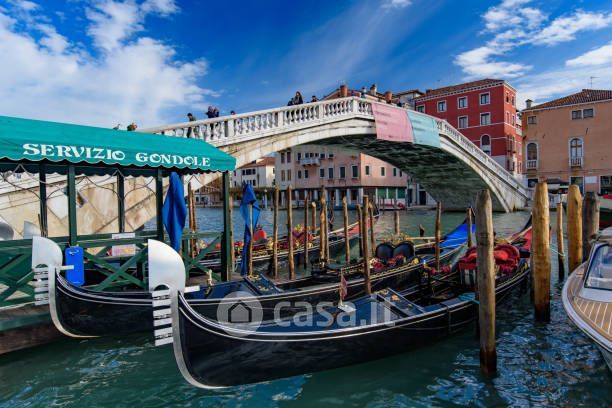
235	128
225	129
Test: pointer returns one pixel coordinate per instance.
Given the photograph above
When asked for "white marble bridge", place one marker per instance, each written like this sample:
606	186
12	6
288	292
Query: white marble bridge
452	173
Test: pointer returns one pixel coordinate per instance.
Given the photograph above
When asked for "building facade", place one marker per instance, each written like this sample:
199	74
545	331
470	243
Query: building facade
569	141
259	173
485	112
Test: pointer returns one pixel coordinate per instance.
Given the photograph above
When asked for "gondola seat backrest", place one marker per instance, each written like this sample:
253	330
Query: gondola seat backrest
384	251
405	249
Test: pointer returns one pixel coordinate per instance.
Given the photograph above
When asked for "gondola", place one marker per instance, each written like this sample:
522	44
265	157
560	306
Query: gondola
80	312
587	295
213	354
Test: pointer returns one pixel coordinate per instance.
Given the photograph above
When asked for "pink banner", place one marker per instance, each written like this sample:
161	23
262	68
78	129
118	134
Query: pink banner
391	123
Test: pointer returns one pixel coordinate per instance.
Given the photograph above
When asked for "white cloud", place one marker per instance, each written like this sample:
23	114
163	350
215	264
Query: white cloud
135	78
396	4
514	25
25	5
598	56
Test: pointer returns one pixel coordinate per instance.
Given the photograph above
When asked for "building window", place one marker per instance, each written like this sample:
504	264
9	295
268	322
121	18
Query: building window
485	98
282	157
463	122
322	172
289	158
485	119
575	150
605	184
330	173
507	97
305	174
330	155
322	155
531	120
382	171
485	144
342	172
587	113
462	102
355	170
532	155
442	106
299	174
367	170
507	117
579	181
401	173
288	175
421	108
395	172
513	101
513	120
576	114
282	175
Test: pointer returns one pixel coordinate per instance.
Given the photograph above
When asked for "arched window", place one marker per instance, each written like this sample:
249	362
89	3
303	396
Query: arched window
532	151
576	147
485	144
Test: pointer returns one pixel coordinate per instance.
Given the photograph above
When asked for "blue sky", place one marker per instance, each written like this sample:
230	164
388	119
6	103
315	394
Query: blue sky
104	62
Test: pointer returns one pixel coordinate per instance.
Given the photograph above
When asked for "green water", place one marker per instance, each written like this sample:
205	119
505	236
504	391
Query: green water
539	364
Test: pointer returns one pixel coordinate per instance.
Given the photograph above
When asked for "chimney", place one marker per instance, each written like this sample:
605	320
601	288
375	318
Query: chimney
528	103
388	96
343	91
373	89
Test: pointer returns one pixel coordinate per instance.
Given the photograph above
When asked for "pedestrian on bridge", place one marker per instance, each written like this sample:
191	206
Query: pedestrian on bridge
314	99
191	119
297	99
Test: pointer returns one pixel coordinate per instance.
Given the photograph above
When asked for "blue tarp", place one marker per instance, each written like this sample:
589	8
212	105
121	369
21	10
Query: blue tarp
424	129
174	211
457	237
248	197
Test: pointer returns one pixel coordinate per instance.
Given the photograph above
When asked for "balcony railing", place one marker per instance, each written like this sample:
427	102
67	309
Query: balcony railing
575	161
532	164
310	161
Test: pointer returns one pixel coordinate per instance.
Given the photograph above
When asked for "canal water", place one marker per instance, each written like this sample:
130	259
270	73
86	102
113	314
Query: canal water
539	364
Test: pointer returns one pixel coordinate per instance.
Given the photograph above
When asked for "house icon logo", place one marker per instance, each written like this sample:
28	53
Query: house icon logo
240	311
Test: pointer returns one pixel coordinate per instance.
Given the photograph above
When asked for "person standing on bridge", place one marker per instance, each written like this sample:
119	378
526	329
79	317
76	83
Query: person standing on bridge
132	127
314	99
191	119
297	99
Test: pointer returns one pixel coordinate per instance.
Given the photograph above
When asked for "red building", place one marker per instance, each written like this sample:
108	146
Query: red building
485	112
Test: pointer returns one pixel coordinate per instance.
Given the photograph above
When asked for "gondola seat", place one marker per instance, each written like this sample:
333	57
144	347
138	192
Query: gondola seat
384	252
405	249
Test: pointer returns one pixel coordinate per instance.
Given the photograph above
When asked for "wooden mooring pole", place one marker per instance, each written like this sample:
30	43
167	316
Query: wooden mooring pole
396	219
290	235
421	230
590	222
372	236
322	224
275	236
347	243
359	220
540	255
306	229
366	252
250	248
230	210
469	227
486	282
574	228
560	243
438	216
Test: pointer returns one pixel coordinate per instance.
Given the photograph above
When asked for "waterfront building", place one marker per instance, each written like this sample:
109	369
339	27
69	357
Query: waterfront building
567	141
259	173
485	112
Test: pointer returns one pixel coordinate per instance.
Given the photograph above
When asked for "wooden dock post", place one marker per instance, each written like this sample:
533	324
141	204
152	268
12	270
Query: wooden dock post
359	220
560	243
347	243
540	256
574	228
322	224
590	222
230	210
313	204
396	219
372	236
469	227
275	236
250	248
421	230
306	229
486	282
438	216
366	252
290	234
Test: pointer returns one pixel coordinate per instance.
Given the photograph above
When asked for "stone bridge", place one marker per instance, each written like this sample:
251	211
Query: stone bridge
452	170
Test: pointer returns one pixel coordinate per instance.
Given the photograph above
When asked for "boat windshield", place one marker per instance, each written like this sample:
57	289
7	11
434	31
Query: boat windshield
600	273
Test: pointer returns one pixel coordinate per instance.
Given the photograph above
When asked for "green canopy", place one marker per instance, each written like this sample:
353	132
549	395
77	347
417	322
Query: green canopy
35	140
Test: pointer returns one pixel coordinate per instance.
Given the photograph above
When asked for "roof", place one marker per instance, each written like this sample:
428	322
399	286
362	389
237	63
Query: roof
27	140
266	161
584	96
462	87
